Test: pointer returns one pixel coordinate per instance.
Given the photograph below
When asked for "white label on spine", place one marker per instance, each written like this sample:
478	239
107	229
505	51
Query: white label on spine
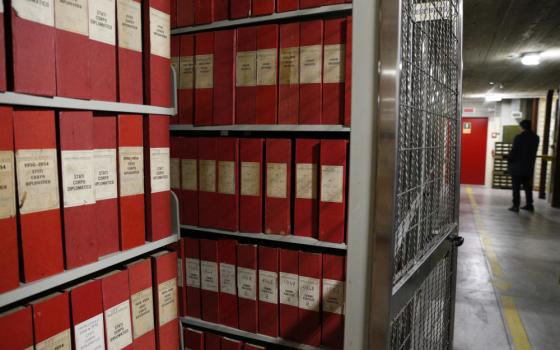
268	286
189	174
88	335
334	63
247	283
142	312
310	64
289	289
105	173
246	69
309	293
266	66
192	269
207	175
41	12
102	21
131	170
276	180
7	185
129	25
204	71
227	278
77	178
226	177
332	183
37	180
180	272
186	72
333	296
159	33
306	180
118	326
209	275
1	7
175	173
60	341
72	15
250	179
167	301
159	169
289	65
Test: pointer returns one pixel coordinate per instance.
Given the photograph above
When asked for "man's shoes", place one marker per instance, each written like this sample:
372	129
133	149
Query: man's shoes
529	208
514	209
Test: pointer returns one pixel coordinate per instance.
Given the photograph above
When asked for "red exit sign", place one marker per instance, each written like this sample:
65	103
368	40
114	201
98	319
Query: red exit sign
468	110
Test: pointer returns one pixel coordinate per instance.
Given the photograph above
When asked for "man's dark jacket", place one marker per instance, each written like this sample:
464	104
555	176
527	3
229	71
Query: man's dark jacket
521	159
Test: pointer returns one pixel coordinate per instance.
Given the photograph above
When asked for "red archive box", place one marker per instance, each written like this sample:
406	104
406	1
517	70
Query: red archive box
268	291
142	306
253	347
213	341
288	294
332	334
227	257
77	187
17	328
288	75
157	184
129	52
348	73
131	181
186	79
332	196
247	287
267	74
221	10
287	5
309	304
175	165
39	206
204	78
263	7
191	247
306	206
317	3
86	308
103	54
207	181
116	306
179	247
164	269
194	339
51	322
3	82
72	49
9	264
188	196
105	176
175	65
224	77
231	344
310	71
173	14
278	176
239	9
228	184
185	13
203	11
334	57
251	185
209	280
246	76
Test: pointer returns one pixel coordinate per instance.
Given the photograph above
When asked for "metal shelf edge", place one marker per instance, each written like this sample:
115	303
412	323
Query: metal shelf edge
276	128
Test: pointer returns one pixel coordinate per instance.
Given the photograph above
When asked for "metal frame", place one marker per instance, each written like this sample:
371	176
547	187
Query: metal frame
266	128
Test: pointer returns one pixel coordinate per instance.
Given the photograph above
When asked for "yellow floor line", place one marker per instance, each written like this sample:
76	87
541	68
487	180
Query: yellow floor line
515	325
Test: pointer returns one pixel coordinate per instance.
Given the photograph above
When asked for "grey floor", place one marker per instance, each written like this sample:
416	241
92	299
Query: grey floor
524	251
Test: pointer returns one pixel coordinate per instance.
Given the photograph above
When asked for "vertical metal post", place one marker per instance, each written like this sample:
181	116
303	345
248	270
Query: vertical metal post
545	143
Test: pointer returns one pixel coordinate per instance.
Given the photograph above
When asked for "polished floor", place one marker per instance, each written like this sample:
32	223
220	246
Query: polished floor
508	282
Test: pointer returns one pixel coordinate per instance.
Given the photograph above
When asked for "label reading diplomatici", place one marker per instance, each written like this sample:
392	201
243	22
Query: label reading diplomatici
159	33
186	72
250	178
227	278
159	169
129	25
226	177
105	164
332	183
333	296
289	289
268	286
175	172
102	21
38	11
334	63
246	283
207	175
72	15
142	312
192	269
289	65
209	275
118	327
246	69
189	174
60	341
276	180
89	334
306	180
77	178
37	180
310	64
167	301
266	66
204	71
309	293
131	170
7	185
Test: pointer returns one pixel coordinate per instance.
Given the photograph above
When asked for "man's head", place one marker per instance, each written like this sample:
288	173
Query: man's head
525	124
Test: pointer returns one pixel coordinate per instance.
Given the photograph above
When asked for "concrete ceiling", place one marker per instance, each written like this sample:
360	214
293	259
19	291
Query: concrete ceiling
497	32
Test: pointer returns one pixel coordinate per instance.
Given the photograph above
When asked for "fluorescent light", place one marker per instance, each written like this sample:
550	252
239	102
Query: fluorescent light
493	98
531	59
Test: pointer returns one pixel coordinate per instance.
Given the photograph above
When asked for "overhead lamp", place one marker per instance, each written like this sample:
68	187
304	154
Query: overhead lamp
531	59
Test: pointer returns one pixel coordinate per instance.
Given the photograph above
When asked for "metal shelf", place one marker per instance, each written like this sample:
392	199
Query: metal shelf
290	239
262	19
272	128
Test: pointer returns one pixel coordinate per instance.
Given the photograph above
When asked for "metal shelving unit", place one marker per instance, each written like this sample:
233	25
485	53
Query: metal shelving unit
265	128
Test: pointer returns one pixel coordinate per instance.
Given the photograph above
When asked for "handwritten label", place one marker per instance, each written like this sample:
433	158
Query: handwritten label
309	293
38	11
102	21
306	180
289	289
204	71
60	341
226	177
289	65
310	64
118	326
189	174
276	180
268	286
334	63
167	301
332	183
131	170
227	279
209	275
186	72
247	283
77	178
142	312
250	179
246	69
207	175
105	170
37	180
192	269
159	169
72	16
333	296
88	335
160	31
266	66
129	25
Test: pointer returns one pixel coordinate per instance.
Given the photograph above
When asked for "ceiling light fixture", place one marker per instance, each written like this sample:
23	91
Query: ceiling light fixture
492	97
531	59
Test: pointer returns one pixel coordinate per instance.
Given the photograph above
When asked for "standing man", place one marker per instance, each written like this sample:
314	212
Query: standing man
521	165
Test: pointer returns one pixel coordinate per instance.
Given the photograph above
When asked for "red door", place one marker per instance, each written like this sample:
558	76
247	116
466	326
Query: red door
473	150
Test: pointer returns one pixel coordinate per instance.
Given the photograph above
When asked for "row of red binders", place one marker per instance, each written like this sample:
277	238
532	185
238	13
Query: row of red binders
74	187
293	73
295	295
132	308
199	340
257	185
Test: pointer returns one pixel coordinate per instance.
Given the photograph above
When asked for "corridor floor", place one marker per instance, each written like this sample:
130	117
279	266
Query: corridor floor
508	282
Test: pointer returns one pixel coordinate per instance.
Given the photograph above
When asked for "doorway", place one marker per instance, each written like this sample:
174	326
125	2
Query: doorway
473	150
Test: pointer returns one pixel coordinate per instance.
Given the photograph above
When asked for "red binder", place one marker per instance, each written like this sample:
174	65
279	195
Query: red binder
32	36
288	294
268	291
129	52
310	71
267	63
209	280
228	184
38	201
185	13
221	10
77	188
227	257
231	344
3	82
105	176
246	76
207	181
278	176
333	301
9	264
86	305
157	184
175	166
72	47
179	247
192	276
213	341
116	306
334	57
203	11
251	185
253	347
141	304
348	73
186	80
204	78
175	65
17	328
304	4
173	14
306	206
309	315
332	190
247	287
103	54
194	339
164	267
240	9
188	196
224	77
263	7
288	75
287	5
131	181
51	322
